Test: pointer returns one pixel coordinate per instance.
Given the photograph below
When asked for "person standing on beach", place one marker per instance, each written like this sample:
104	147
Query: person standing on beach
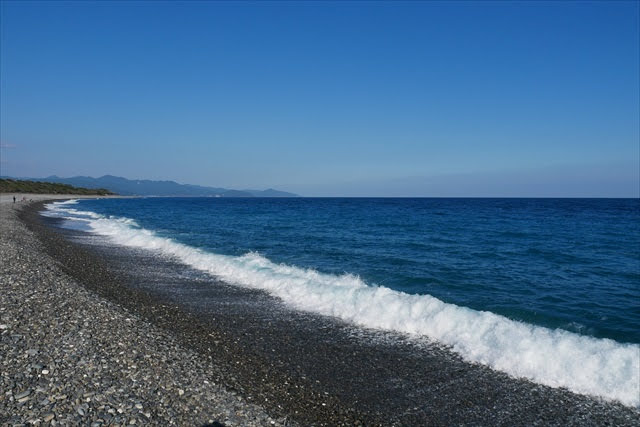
14	199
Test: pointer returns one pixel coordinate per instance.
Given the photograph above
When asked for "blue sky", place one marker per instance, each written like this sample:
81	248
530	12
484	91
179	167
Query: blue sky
327	98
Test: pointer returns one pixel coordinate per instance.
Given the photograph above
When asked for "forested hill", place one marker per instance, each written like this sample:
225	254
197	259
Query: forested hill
23	186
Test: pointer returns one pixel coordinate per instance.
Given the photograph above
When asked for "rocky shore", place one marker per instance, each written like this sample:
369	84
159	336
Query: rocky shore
95	335
71	357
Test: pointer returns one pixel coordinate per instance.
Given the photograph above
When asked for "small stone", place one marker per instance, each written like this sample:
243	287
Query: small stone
45	372
80	411
22	395
180	392
48	417
138	405
4	327
32	352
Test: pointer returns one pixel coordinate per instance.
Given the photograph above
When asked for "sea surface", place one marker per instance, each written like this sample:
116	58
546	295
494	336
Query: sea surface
546	289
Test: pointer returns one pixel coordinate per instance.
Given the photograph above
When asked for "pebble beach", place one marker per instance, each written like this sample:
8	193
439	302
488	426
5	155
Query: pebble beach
90	337
70	357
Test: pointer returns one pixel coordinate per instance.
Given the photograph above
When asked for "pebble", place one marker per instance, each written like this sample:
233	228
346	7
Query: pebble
22	394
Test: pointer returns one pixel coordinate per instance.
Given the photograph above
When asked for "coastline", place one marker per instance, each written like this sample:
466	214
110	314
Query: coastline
302	368
70	356
36	197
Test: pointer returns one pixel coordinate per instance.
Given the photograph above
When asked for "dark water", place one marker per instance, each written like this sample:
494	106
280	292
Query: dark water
560	263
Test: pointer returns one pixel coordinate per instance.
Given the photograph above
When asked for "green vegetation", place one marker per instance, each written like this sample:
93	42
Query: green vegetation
20	186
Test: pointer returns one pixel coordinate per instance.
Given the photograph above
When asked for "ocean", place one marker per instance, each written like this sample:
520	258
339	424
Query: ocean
544	289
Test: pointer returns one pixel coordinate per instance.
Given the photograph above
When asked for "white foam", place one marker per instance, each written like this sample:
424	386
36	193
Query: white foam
557	358
59	210
66	202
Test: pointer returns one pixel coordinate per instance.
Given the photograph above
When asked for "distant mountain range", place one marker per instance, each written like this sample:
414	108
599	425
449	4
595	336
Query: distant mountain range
145	187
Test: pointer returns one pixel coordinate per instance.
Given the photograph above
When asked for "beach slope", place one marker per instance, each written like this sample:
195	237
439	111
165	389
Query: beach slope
69	356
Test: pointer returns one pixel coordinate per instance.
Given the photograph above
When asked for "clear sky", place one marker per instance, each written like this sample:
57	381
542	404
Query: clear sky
327	98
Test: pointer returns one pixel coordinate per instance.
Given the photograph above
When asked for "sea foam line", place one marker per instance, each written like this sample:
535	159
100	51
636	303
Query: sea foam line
556	358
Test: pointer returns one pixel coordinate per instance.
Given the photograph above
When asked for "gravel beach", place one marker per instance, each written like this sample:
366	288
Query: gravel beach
98	334
70	357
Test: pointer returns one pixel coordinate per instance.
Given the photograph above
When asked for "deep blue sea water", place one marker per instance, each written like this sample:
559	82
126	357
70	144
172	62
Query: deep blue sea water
567	264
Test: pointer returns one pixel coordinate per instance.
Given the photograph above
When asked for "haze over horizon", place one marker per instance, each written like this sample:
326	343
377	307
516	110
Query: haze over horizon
327	99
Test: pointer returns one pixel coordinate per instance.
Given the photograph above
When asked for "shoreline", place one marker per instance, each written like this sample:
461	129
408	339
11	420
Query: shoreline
38	197
311	370
70	356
